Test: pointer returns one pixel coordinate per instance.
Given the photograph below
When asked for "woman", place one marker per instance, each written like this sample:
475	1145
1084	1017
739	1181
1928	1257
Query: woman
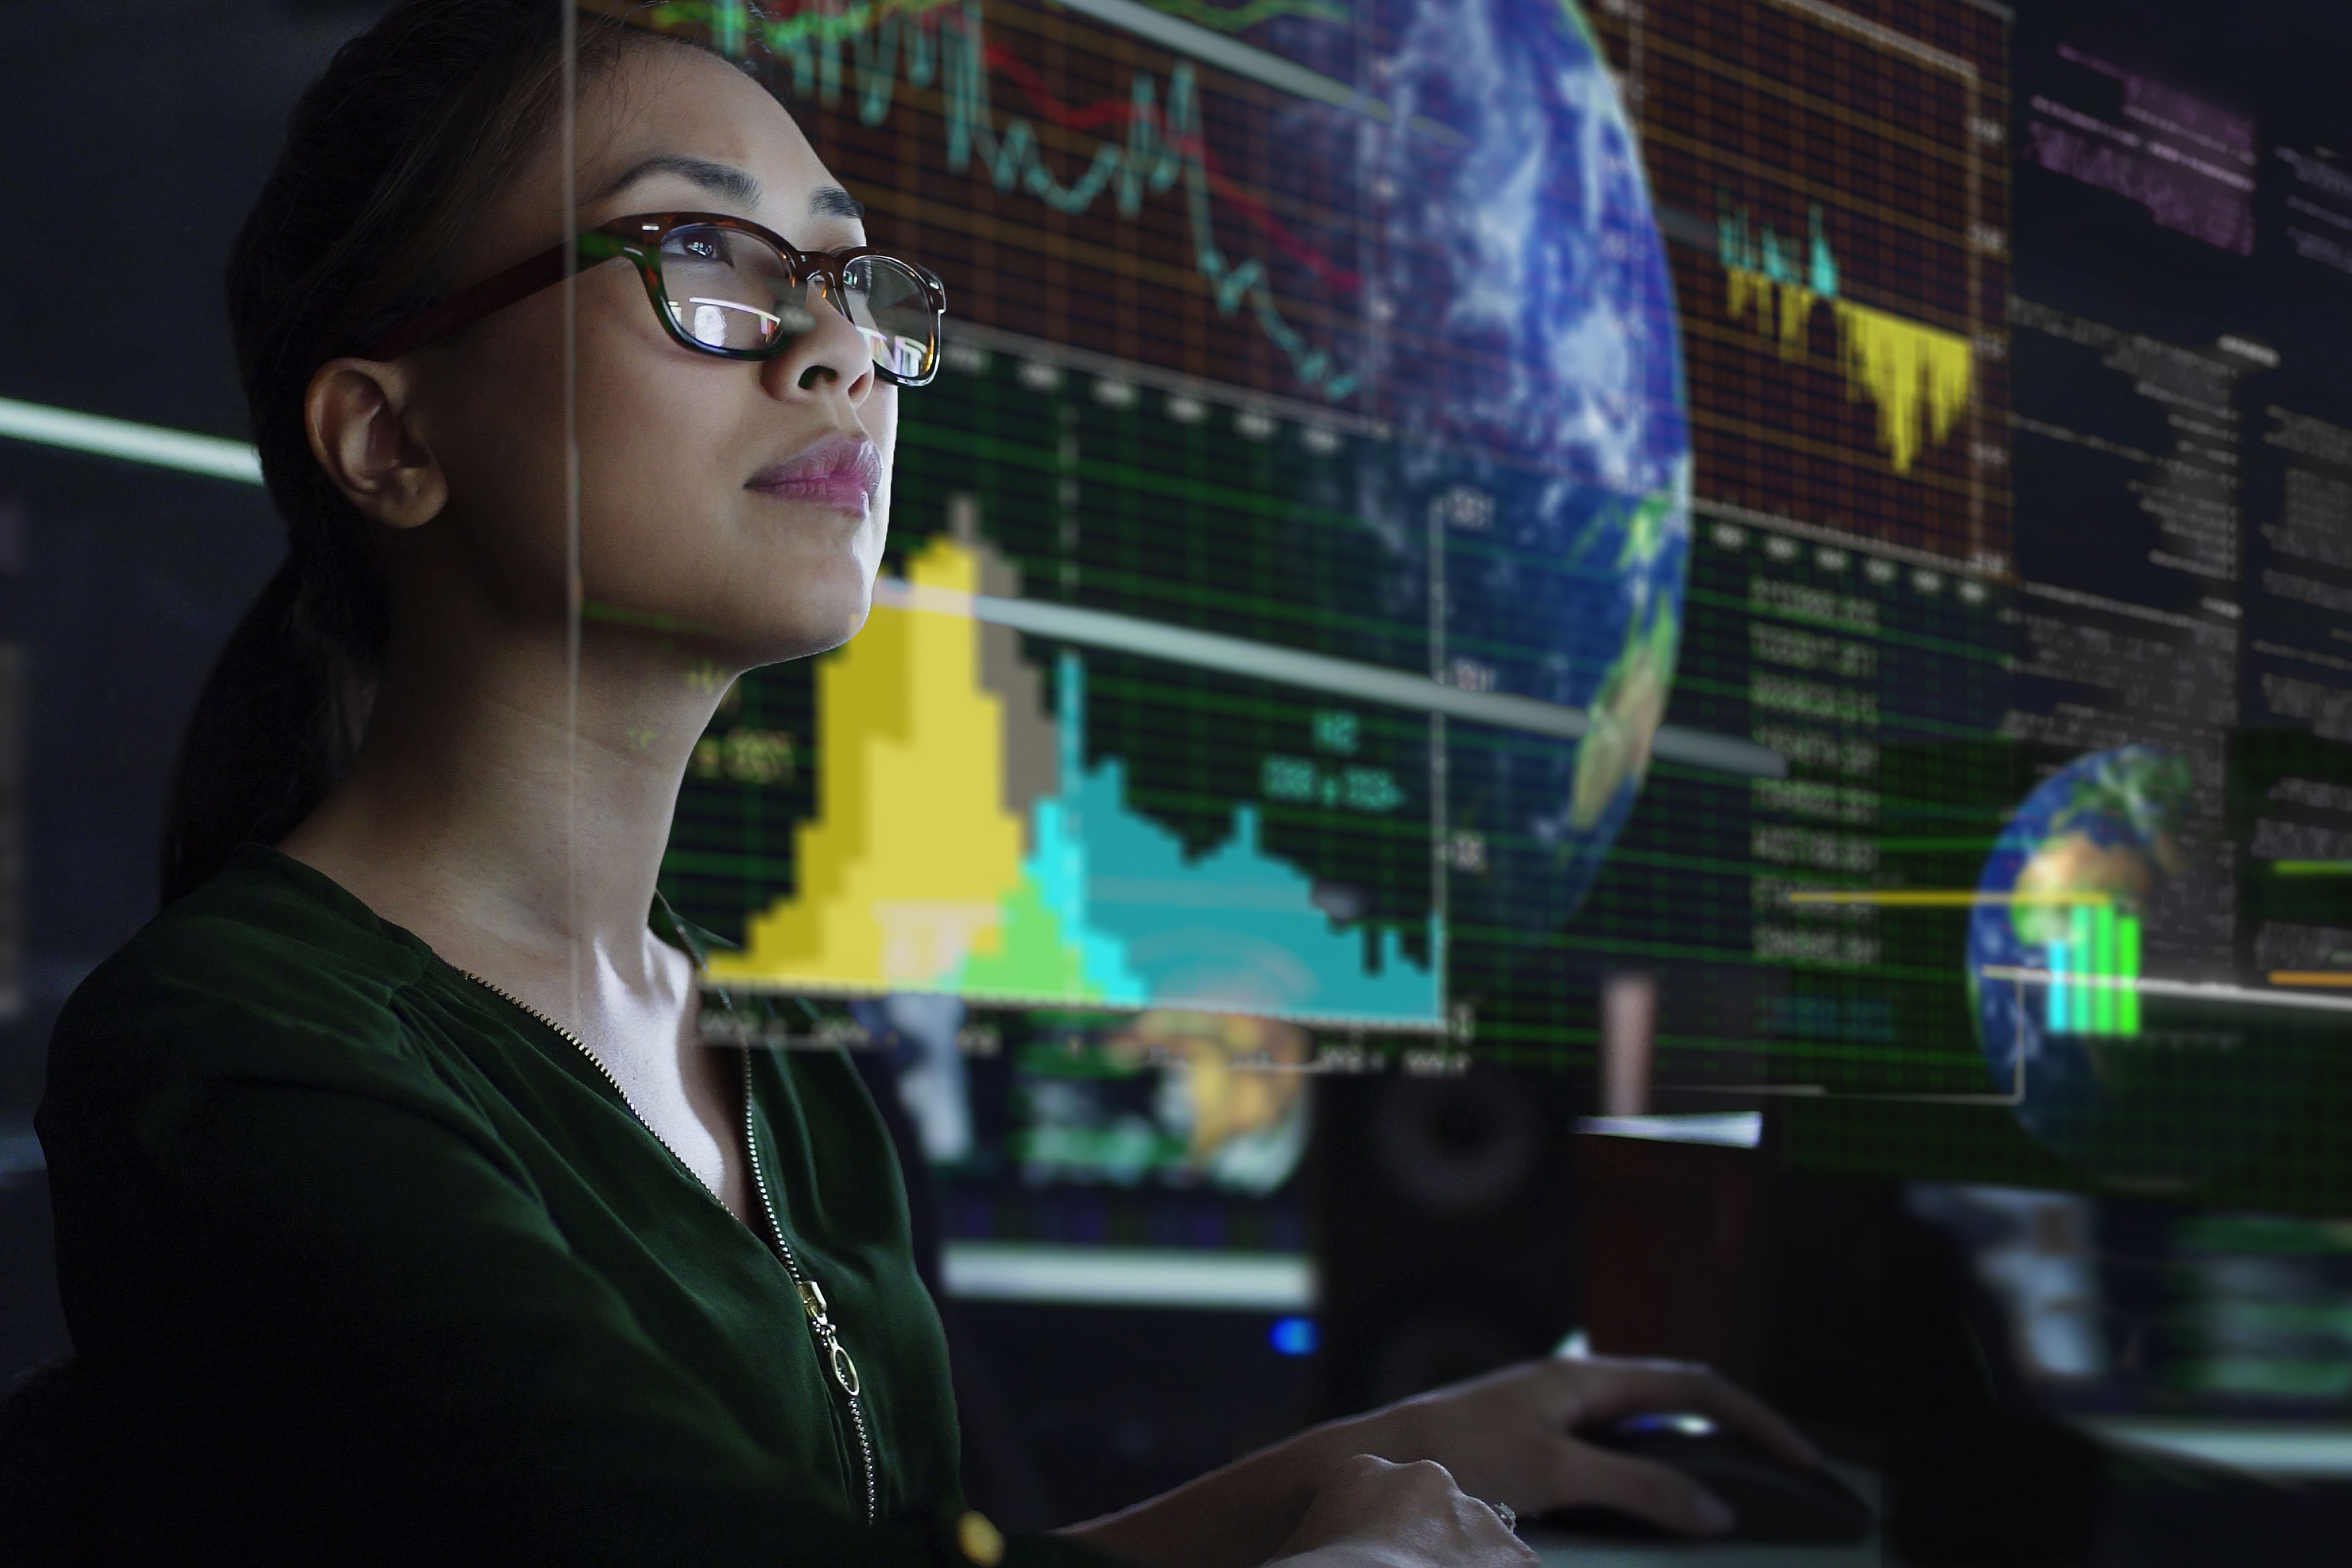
401	1213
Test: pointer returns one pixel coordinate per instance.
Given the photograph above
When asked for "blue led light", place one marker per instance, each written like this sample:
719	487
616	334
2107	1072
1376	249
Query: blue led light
1293	1336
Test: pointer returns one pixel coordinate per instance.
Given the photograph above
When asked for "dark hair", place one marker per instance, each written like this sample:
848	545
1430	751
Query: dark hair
391	157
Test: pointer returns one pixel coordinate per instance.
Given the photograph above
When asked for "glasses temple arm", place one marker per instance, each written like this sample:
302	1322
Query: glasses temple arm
495	292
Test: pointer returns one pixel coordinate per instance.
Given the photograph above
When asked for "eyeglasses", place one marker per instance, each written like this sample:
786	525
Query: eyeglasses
722	285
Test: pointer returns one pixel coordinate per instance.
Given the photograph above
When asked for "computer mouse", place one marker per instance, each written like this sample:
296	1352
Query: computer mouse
1772	1500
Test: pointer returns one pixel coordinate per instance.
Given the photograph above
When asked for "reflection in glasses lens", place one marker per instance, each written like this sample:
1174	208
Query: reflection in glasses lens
731	290
891	308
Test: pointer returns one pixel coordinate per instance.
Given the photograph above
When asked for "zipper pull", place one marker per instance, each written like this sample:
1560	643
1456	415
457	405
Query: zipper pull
844	1371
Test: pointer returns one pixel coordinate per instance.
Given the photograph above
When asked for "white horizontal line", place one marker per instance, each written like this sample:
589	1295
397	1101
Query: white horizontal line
789	984
1128	1275
1821	533
1215	48
210	456
2188	989
1316	672
223	460
1885	37
1730	1128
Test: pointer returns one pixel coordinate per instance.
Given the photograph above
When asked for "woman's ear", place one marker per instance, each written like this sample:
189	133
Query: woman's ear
355	415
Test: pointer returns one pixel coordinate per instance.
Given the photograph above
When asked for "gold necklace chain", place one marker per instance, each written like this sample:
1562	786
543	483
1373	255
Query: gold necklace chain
822	1328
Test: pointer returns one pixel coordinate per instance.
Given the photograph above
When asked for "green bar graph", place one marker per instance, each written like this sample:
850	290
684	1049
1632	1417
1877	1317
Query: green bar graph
2094	973
2078	960
2128	966
2102	968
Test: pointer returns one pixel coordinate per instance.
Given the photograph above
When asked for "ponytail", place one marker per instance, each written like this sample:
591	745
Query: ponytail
276	726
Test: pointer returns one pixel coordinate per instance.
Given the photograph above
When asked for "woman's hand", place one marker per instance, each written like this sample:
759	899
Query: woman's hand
1370	1513
1511	1436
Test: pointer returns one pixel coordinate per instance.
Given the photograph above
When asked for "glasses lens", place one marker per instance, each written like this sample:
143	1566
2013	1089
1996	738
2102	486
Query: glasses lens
728	290
891	307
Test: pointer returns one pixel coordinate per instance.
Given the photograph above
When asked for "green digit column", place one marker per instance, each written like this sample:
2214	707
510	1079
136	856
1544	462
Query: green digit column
2128	966
2103	969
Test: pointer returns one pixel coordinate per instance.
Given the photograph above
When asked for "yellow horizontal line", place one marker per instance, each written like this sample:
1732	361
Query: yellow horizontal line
2311	977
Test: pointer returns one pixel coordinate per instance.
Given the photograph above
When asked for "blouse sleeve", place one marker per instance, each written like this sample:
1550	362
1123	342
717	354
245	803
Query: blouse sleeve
333	1324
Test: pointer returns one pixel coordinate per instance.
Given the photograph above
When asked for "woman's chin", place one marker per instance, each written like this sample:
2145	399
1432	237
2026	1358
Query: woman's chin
818	618
760	612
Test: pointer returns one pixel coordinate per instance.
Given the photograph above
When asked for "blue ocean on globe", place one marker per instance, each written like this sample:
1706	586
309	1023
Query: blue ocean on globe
2105	822
1526	353
2191	1089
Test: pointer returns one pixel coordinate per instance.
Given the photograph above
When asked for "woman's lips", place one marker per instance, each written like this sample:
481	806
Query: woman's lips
839	471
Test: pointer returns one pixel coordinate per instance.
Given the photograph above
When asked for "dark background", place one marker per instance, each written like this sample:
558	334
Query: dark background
138	135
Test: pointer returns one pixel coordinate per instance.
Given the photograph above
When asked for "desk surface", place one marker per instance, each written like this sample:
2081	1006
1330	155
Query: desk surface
1560	1549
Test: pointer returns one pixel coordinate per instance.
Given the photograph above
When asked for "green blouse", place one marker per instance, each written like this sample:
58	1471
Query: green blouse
365	1262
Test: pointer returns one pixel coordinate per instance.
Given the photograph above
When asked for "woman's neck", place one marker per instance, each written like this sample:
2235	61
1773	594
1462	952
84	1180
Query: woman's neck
513	819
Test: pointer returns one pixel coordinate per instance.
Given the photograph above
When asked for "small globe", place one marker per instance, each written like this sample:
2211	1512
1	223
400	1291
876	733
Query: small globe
2155	1093
1533	375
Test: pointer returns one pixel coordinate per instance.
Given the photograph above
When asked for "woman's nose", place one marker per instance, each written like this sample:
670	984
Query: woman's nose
831	348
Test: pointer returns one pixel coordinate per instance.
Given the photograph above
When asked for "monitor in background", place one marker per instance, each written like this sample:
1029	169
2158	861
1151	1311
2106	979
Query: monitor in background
1831	515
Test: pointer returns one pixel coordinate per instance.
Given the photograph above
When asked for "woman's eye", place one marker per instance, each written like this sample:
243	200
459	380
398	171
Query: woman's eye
702	249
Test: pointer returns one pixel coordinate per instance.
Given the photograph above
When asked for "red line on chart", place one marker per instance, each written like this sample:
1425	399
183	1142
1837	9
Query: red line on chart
1120	111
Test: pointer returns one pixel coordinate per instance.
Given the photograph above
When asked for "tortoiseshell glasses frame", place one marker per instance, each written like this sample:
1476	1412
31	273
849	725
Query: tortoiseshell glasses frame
721	286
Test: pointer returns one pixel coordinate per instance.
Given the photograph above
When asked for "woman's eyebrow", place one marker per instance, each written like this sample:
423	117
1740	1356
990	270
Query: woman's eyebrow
831	201
719	179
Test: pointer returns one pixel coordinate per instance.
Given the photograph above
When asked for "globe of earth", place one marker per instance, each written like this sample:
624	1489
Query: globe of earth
2177	1094
1529	361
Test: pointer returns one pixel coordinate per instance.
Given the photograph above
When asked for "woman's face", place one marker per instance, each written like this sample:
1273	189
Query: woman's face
739	507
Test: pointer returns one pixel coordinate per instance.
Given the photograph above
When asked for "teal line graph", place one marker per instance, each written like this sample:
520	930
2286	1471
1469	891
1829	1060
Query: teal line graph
1811	265
732	25
1235	926
949	49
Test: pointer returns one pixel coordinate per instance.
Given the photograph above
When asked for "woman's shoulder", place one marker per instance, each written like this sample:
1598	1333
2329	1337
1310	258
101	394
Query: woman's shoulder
268	961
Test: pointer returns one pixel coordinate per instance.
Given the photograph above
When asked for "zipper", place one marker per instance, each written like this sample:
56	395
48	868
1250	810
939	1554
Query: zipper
820	1317
821	1329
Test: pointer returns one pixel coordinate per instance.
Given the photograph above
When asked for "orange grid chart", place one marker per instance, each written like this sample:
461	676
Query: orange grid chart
1078	184
1835	176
